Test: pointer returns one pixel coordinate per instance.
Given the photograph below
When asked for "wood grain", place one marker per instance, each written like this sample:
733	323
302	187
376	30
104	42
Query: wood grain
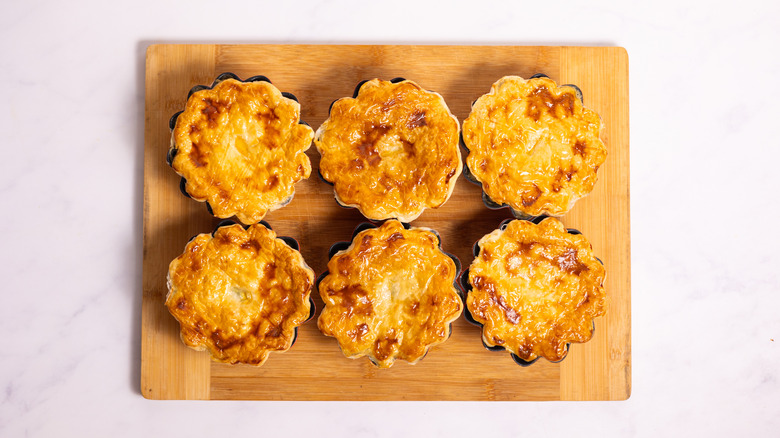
601	369
315	369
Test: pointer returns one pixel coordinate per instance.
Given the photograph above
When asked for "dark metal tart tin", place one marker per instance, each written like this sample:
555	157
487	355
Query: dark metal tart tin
357	90
289	95
183	187
345	207
173	150
342	245
489	203
354	96
467	287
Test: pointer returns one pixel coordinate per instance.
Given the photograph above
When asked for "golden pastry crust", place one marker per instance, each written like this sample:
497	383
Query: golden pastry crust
533	145
536	288
240	147
392	151
390	295
239	294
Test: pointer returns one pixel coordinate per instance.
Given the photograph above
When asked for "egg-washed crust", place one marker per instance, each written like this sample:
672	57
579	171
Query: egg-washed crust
241	147
239	294
533	145
535	288
390	295
392	151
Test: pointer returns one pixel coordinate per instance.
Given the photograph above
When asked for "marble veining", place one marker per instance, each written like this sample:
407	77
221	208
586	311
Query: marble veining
704	152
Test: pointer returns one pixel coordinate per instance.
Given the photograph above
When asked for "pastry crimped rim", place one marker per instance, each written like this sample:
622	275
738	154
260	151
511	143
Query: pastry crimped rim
365	314
502	304
240	293
260	144
377	209
556	113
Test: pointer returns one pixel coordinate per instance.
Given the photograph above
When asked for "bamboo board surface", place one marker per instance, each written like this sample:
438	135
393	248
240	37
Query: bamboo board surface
315	369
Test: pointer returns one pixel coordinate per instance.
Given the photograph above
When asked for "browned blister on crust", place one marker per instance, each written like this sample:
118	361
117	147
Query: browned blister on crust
239	294
533	146
390	295
392	151
536	288
241	148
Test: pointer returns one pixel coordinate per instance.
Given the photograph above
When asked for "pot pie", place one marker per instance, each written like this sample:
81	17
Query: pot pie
391	150
533	146
535	289
390	294
240	147
240	293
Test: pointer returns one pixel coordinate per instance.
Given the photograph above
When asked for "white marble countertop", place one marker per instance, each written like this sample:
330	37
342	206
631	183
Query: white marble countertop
704	151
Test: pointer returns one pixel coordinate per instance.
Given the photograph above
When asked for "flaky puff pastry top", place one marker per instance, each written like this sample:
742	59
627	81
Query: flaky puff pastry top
390	295
533	145
535	288
239	294
392	151
241	148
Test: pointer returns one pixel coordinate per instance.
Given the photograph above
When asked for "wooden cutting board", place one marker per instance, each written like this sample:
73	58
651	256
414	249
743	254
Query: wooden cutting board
315	369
